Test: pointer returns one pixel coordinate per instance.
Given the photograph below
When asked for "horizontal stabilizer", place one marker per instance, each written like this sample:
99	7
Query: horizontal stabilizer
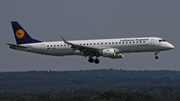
16	46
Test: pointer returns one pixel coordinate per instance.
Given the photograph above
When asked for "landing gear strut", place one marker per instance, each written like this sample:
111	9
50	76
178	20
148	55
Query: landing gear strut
156	57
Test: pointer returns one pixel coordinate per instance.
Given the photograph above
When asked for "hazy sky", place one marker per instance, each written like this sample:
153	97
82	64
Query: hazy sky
47	20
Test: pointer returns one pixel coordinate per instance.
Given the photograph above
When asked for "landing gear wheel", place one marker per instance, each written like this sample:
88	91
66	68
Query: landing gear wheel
96	61
91	60
156	57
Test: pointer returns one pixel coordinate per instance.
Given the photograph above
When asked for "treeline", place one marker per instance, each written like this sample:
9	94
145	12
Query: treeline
79	95
90	80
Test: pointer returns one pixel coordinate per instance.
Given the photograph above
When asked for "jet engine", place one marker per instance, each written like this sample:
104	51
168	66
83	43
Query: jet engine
111	53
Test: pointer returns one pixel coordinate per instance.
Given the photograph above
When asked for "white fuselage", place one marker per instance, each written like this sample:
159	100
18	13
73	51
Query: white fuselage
111	48
121	45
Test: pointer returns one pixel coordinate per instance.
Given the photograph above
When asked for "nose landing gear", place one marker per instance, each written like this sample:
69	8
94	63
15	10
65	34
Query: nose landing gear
156	57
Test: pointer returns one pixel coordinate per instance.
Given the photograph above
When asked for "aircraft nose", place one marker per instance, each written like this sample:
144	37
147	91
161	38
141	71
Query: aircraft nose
170	46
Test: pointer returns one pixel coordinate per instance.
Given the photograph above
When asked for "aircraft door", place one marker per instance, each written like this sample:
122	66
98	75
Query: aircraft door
152	42
42	47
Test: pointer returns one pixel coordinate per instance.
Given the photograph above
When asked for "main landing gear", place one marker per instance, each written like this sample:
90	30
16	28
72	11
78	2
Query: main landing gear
91	60
156	57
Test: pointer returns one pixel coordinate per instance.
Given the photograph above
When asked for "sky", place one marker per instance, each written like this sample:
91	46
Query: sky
47	20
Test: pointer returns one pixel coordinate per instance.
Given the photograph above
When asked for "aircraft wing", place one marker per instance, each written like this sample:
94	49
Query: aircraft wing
81	48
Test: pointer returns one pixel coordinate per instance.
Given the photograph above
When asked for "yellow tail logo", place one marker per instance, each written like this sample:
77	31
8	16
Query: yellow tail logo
20	33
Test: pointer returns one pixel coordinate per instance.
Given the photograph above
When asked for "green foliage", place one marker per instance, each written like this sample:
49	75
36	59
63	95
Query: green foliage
112	95
109	95
90	85
44	81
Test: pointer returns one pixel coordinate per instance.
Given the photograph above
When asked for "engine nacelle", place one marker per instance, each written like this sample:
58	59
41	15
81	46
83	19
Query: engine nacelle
108	52
117	56
111	53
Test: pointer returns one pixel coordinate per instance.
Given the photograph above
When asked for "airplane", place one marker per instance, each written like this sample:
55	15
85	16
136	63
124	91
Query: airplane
110	48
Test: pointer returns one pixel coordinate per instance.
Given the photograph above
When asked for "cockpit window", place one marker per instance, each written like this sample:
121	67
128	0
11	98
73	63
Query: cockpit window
162	40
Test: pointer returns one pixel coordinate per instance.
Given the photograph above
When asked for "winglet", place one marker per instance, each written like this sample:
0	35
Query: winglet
66	41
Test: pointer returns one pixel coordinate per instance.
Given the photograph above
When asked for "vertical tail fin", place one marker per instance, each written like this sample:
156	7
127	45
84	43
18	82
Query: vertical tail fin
21	36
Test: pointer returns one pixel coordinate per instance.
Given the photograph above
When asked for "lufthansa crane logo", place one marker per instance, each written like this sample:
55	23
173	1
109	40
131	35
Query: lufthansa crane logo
20	34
